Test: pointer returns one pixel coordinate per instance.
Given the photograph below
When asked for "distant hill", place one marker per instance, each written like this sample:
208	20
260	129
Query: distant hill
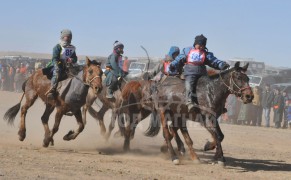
42	55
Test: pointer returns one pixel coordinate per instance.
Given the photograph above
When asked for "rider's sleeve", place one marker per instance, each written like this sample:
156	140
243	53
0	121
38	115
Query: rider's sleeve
56	53
213	62
181	58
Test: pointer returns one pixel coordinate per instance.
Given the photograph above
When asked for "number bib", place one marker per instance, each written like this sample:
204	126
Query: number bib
196	57
67	52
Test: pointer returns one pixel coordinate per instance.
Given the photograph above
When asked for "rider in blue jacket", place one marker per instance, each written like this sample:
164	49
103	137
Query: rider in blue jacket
194	59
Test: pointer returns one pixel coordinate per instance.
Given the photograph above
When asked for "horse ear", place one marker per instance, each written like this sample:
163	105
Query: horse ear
236	65
245	67
88	62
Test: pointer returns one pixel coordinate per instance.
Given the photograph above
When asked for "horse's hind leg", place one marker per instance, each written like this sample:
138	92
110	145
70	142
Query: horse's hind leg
167	138
189	142
44	118
30	99
73	134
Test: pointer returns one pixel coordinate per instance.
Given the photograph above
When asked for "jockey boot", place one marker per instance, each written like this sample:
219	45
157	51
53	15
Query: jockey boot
109	94
192	106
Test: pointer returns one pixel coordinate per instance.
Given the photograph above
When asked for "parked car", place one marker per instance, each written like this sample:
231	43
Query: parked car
262	80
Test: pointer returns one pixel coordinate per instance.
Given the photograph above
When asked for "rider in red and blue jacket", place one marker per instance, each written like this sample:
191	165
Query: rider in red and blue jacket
195	60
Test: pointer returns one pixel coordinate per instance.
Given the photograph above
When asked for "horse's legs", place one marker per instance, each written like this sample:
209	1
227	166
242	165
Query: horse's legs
189	142
211	145
84	112
73	134
167	136
127	131
178	140
58	117
101	114
44	118
112	123
30	99
213	127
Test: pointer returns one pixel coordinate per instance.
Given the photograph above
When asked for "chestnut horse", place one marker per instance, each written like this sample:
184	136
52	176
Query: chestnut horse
38	84
169	97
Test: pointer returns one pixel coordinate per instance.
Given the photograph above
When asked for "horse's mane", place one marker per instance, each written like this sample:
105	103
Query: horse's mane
216	75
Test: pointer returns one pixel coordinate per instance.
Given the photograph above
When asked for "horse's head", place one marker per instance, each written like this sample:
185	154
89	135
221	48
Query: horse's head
239	83
93	75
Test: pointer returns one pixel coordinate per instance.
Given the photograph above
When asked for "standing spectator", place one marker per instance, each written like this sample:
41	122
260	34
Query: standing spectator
257	109
4	77
267	100
18	80
285	113
125	65
245	115
231	108
23	68
278	107
10	79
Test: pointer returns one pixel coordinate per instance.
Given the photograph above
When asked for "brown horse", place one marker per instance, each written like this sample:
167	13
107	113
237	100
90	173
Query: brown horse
169	98
38	84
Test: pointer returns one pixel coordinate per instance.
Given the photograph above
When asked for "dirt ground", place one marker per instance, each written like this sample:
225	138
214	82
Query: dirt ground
251	152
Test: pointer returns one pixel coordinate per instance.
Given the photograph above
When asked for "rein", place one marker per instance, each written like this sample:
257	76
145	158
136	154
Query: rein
231	84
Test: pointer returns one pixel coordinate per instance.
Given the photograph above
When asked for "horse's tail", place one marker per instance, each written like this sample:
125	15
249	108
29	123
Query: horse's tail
10	115
154	126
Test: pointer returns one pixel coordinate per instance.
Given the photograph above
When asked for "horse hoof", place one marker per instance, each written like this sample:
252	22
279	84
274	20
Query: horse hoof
52	142
176	161
68	137
21	135
21	138
182	153
221	161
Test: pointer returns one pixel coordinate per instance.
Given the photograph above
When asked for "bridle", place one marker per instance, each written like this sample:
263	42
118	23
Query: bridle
88	81
231	85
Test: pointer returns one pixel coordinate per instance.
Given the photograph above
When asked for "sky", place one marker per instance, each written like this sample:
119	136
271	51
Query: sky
258	29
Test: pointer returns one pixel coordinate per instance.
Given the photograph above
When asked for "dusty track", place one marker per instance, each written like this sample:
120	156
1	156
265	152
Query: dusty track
251	152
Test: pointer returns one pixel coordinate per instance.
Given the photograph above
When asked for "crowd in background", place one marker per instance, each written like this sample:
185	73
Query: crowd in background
265	101
14	73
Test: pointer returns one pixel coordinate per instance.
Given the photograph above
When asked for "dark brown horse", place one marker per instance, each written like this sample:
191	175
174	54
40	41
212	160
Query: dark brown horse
38	84
169	98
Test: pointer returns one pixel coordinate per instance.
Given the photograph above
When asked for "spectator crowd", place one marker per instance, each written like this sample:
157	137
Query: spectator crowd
270	105
14	73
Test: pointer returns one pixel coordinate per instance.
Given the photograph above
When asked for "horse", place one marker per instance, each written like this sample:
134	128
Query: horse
38	85
170	98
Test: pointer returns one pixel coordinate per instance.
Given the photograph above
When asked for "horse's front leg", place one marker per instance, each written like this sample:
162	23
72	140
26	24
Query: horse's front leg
211	145
212	126
73	134
44	118
58	118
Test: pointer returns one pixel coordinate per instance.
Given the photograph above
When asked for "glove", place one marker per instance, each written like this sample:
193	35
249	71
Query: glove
69	60
225	66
